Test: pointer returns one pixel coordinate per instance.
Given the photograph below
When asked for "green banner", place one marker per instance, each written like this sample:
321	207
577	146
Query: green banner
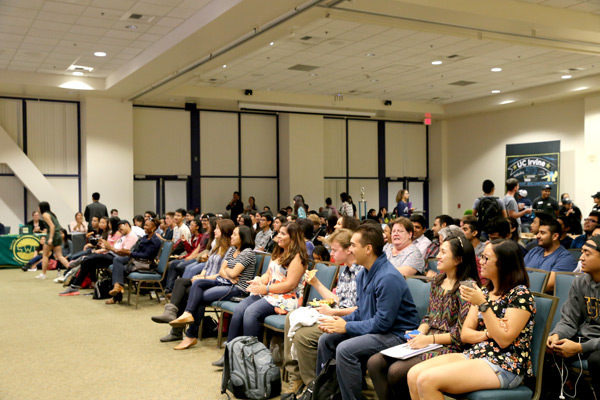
17	250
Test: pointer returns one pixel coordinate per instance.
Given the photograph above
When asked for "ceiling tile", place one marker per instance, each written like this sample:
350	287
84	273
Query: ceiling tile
197	4
56	18
170	22
148	9
182	12
121	5
159	30
63	8
96	22
33	4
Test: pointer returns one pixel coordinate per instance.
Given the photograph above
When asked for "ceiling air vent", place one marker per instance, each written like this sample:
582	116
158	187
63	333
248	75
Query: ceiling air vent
133	16
462	83
302	67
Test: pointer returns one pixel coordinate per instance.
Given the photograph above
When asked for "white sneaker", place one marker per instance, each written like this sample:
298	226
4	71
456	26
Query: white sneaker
41	276
32	270
60	279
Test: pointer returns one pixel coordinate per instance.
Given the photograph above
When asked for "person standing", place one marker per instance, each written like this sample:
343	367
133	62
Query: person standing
54	242
403	207
512	208
545	203
236	206
95	208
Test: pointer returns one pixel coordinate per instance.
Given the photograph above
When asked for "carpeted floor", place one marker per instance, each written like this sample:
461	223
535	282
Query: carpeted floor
74	347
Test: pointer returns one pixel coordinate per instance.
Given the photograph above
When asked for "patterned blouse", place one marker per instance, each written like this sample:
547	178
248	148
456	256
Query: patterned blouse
346	286
283	302
446	313
515	358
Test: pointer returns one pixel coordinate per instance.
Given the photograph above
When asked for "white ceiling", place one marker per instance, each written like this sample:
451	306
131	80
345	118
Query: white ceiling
363	49
49	36
371	61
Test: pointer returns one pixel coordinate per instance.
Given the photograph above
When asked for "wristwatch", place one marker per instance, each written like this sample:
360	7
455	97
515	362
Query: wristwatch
483	307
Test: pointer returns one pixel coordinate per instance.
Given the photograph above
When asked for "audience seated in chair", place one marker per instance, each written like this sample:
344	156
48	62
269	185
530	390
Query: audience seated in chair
499	325
145	251
301	368
79	225
401	252
209	270
235	274
577	334
385	312
279	290
442	324
104	257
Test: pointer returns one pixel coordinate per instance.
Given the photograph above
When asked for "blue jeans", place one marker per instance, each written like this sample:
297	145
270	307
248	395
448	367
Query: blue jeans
176	269
118	271
193	269
248	316
202	293
351	355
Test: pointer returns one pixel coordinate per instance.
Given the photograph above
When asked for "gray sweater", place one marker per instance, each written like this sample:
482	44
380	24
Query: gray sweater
580	315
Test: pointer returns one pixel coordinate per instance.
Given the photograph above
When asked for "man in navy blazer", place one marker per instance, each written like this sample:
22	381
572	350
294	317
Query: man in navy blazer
385	312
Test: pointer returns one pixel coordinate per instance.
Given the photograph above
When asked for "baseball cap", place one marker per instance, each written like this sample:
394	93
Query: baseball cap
546	187
523	193
567	200
596	245
597	195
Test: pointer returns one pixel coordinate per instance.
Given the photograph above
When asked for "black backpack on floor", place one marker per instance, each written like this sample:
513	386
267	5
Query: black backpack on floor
102	287
325	386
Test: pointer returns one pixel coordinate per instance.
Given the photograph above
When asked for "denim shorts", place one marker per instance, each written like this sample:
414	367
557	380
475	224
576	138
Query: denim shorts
508	380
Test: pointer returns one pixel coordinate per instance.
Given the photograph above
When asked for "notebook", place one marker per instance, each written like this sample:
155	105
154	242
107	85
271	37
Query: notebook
403	352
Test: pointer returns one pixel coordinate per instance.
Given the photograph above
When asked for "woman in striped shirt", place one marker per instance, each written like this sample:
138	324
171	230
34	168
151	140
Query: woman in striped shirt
279	290
237	269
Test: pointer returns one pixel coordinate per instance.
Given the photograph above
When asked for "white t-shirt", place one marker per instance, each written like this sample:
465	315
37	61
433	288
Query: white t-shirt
181	232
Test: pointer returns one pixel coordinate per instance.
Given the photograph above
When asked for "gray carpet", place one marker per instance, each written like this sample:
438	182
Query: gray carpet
74	347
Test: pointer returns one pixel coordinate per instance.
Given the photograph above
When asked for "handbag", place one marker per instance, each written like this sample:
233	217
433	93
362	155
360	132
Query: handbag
141	265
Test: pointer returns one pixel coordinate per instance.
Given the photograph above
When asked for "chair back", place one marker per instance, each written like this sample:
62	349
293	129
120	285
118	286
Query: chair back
78	241
327	274
432	264
265	264
538	279
163	257
576	253
259	262
419	287
545	309
562	286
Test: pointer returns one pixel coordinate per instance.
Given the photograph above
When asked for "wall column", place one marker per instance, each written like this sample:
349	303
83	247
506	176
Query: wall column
107	153
301	159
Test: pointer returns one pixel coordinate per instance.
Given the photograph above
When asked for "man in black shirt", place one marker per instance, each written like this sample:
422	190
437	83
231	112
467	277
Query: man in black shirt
545	203
572	215
596	198
236	206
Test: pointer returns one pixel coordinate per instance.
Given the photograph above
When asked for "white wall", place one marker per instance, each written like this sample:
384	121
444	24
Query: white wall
476	149
107	153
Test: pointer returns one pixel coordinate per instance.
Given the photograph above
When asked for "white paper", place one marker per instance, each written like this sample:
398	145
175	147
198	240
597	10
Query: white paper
403	352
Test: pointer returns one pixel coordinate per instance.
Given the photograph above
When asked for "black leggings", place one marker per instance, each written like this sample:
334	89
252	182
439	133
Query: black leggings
90	264
389	376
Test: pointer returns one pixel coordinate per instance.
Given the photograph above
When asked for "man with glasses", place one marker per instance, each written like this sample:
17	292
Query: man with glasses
265	233
589	224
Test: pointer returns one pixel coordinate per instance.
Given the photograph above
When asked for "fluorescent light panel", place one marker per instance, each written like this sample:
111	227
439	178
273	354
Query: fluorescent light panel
273	107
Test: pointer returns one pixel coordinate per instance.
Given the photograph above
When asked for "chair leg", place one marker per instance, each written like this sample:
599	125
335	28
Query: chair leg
200	329
129	285
137	294
162	291
220	331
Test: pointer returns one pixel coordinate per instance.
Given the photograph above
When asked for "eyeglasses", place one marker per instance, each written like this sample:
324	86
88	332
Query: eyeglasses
590	220
483	258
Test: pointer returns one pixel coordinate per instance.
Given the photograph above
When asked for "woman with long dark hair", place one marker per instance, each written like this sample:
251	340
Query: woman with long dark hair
499	325
299	207
441	324
237	269
279	290
54	241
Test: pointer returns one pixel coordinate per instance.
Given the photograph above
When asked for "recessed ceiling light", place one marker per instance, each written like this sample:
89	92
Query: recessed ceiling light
437	62
224	65
566	77
131	27
271	44
374	80
507	102
100	54
313	74
496	69
370	54
76	85
172	100
495	91
78	73
580	88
